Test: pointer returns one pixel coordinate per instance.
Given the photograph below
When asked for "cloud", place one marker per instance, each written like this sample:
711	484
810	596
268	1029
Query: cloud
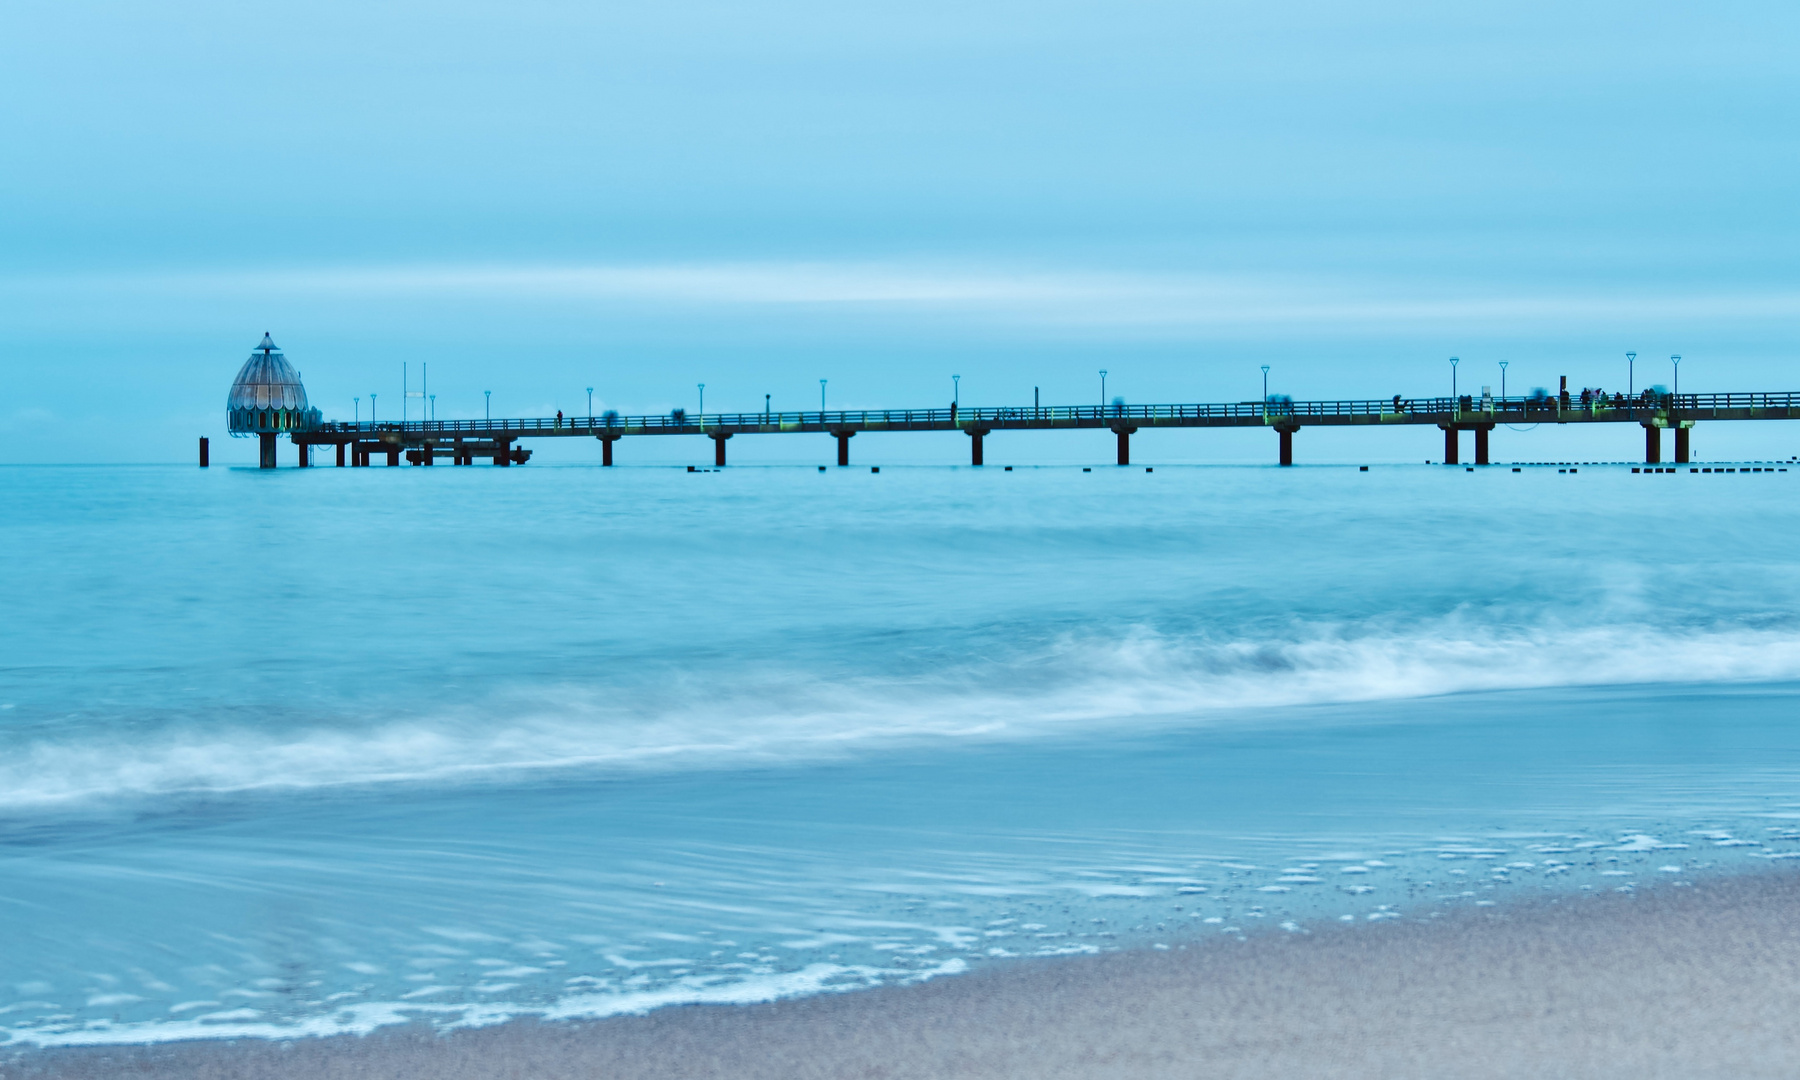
1050	297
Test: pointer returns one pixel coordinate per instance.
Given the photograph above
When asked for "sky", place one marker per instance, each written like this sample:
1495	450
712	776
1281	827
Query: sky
534	198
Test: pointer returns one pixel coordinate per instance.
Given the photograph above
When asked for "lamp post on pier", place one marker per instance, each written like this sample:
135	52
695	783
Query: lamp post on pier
1103	388
1453	362
1503	364
821	399
1630	374
1265	397
371	406
358	408
956	389
433	398
590	391
702	399
1676	360
487	405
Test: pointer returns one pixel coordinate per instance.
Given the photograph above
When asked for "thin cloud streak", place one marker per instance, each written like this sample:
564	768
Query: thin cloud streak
1021	296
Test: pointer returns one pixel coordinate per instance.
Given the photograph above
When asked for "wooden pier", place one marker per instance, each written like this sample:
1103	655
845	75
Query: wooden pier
464	442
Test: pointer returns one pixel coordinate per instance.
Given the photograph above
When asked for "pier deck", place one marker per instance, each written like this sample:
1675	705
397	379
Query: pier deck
463	441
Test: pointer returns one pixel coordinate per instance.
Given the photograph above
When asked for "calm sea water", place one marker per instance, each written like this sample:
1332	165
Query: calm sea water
313	751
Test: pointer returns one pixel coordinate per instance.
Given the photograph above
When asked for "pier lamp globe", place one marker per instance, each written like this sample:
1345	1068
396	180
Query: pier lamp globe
267	400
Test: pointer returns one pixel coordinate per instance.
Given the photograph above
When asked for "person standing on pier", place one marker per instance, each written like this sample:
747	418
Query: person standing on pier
559	419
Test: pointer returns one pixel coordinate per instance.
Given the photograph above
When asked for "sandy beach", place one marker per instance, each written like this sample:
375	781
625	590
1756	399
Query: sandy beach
1690	981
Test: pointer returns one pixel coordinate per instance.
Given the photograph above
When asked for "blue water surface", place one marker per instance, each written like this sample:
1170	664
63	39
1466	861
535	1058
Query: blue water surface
314	751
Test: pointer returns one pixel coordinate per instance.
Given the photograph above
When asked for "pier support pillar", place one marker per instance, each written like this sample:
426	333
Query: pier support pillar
1481	443
304	452
1681	443
340	455
266	450
975	436
606	449
719	448
843	441
502	453
1125	434
427	454
1452	445
1652	444
1287	444
205	453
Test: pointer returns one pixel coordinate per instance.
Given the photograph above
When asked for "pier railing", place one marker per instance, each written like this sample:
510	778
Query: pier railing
1465	409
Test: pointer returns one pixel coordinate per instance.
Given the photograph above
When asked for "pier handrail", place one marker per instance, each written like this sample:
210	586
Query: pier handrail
1466	409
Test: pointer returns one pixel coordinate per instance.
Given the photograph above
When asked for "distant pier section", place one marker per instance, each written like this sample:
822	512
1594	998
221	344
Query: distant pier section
268	401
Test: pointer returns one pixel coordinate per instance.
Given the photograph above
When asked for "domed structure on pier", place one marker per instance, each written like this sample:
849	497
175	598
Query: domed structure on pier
267	397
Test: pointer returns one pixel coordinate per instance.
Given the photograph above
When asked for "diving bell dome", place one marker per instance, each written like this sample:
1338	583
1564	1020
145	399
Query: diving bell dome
267	396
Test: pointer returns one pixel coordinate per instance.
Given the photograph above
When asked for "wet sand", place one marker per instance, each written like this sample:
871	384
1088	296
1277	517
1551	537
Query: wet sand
1676	982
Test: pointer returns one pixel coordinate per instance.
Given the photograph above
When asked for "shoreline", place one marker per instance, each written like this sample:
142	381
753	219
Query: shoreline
1685	981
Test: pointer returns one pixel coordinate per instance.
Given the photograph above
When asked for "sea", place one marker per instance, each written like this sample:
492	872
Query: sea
307	752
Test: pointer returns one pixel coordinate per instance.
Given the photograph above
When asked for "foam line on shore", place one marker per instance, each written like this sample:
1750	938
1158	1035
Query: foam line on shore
1696	981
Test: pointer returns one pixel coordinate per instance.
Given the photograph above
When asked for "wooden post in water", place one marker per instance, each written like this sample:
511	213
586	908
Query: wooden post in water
205	453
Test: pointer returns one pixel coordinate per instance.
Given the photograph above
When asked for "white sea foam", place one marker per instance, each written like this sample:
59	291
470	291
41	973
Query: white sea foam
362	1018
1073	686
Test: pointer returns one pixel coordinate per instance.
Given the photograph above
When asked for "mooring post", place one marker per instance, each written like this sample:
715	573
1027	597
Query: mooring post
1652	444
975	435
843	441
718	438
606	448
1124	434
1481	443
205	453
1451	444
1681	442
1287	444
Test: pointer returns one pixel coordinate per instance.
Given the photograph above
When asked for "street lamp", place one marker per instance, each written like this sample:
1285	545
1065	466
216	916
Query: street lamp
1677	360
821	397
956	389
1453	362
1503	364
434	407
487	404
702	399
590	391
371	406
358	408
1630	374
1103	388
1265	371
